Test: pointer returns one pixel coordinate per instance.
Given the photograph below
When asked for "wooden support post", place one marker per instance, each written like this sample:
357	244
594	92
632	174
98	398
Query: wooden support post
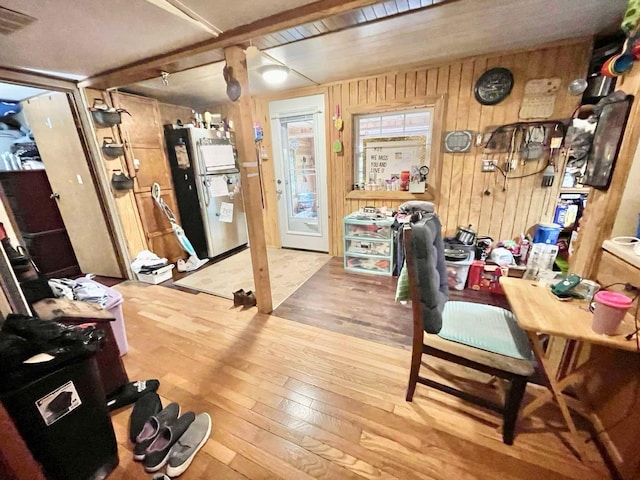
240	113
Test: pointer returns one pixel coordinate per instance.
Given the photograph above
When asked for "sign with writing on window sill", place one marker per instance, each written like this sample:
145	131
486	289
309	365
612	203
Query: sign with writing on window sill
385	157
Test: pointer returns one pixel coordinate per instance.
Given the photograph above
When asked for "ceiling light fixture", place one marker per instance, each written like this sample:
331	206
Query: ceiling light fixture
274	74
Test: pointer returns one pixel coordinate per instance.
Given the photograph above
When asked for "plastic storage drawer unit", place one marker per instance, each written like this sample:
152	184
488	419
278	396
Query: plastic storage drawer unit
368	245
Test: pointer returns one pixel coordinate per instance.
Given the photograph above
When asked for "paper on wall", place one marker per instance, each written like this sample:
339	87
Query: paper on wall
218	185
226	212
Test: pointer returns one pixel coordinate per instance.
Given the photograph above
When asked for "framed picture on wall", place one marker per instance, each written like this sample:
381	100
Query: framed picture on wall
606	143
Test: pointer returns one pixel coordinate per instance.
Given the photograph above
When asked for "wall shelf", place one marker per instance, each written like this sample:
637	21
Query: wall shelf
389	195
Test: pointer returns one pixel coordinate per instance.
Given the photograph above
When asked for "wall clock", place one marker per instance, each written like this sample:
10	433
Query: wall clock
493	86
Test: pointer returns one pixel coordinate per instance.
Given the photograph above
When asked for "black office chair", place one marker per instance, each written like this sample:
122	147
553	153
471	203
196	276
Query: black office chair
477	336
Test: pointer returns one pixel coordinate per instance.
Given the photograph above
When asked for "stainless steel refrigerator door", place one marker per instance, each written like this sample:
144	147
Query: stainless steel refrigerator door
226	235
197	136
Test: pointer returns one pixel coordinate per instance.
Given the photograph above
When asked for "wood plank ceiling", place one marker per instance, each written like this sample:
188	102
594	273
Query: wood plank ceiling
390	36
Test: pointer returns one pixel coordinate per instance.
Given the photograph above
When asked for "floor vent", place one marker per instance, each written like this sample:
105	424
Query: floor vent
12	21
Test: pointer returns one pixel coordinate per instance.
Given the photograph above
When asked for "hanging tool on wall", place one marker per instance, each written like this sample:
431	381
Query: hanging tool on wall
549	173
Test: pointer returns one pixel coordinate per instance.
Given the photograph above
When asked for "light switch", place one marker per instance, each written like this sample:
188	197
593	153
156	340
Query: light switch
136	164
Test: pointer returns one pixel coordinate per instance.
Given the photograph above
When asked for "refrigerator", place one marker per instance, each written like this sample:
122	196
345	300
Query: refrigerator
208	190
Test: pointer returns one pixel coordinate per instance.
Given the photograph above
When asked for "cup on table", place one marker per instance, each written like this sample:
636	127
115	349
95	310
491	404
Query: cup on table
609	310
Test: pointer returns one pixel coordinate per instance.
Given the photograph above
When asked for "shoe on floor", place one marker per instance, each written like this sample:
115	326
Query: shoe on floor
157	453
238	298
145	407
249	299
130	393
188	445
152	428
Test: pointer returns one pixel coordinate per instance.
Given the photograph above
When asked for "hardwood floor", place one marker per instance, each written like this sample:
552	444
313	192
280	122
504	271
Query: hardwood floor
361	305
292	401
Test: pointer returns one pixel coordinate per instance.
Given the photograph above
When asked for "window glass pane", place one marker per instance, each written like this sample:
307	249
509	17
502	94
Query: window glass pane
405	123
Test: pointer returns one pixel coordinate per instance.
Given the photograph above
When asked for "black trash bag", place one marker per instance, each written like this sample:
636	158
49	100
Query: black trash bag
23	338
13	351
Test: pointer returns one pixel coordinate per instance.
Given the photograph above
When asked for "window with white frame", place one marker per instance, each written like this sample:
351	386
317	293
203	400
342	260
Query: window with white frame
400	125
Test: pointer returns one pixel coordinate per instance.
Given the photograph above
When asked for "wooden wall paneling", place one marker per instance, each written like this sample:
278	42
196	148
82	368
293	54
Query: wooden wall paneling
362	92
480	179
401	84
390	87
152	169
452	162
410	84
421	83
126	206
267	176
442	202
345	164
143	127
372	91
468	118
496	205
169	113
502	212
524	203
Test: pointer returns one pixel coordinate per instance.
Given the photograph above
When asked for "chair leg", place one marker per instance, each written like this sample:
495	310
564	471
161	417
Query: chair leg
512	407
416	358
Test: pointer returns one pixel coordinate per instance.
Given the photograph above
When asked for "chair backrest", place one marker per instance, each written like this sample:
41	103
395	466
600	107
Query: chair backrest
427	273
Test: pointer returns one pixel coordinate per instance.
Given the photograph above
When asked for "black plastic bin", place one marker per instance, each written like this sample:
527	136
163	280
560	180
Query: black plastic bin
63	419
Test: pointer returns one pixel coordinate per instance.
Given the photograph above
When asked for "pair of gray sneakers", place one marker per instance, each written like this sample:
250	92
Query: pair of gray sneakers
169	437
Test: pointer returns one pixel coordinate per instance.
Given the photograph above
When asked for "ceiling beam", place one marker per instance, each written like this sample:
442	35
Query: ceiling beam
175	60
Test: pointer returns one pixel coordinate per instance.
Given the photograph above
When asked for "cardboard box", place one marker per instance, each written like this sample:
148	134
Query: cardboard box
157	276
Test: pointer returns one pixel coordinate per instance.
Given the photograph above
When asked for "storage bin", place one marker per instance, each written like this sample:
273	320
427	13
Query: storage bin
157	276
370	247
457	272
380	266
114	307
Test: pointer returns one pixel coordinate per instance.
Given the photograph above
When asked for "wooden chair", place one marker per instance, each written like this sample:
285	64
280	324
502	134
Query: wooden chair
480	337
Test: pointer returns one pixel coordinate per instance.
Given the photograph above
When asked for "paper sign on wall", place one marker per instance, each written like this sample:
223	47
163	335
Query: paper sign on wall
386	156
226	212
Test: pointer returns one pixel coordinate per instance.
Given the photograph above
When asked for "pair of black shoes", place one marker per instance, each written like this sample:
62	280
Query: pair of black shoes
244	299
155	430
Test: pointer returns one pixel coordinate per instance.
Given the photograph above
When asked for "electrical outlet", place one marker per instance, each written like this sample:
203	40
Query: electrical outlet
489	165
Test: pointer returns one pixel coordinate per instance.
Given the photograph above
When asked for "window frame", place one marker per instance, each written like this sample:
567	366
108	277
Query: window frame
435	168
359	157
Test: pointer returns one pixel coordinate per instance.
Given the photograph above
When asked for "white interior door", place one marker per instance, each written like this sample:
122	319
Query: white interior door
299	150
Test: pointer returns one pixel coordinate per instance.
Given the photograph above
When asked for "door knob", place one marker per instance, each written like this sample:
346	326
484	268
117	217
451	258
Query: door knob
55	195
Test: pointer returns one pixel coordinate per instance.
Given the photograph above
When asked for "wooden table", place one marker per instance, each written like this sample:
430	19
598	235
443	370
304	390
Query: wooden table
539	311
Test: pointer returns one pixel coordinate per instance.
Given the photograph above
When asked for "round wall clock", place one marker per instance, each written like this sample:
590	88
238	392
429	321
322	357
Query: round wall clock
493	86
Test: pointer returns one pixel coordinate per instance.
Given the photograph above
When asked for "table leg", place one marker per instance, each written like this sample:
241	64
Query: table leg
556	392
